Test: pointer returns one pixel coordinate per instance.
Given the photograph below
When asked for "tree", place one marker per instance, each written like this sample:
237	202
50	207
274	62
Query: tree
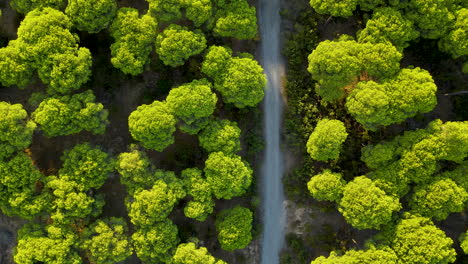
432	18
411	92
91	16
417	240
366	206
66	72
20	182
326	186
239	80
134	38
438	199
136	171
70	114
234	228
25	6
334	7
154	205
220	135
388	25
198	187
338	65
236	19
106	241
166	10
192	103
464	242
325	141
153	125
198	11
53	245
188	253
455	42
369	256
228	176
176	44
70	201
156	243
14	69
86	165
15	129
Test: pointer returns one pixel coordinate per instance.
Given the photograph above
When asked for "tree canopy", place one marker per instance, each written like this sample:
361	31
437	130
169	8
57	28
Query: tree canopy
91	16
188	253
25	6
220	135
236	19
454	42
198	187
326	186
234	228
369	256
326	140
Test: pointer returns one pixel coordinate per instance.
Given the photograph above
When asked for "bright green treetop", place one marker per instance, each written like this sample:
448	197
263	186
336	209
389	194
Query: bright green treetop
188	253
417	240
369	256
411	92
91	15
55	245
14	68
66	115
25	6
198	11
166	10
464	242
176	44
15	129
228	176
220	135
234	228
326	186
106	241
438	199
192	103
86	165
153	125
388	25
239	80
236	19
432	18
365	206
136	171
156	243
154	205
334	7
134	40
198	187
326	140
19	181
455	42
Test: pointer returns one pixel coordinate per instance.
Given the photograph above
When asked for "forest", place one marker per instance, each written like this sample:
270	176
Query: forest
132	131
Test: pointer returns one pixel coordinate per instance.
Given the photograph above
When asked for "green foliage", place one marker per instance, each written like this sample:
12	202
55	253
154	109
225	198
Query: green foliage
136	171
176	44
86	165
106	241
326	186
14	69
156	243
153	125
369	256
325	141
411	92
338	65
464	242
432	18
388	25
458	175
193	103
198	187
438	199
15	129
70	114
234	228
188	253
334	7
228	176
166	10
70	201
198	11
19	184
220	135
154	205
236	19
91	16
239	80
53	245
455	42
25	6
418	240
364	205
134	38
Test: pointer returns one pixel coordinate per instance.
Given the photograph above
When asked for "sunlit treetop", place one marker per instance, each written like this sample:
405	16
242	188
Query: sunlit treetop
236	19
326	140
25	6
220	135
369	256
188	253
91	15
455	42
